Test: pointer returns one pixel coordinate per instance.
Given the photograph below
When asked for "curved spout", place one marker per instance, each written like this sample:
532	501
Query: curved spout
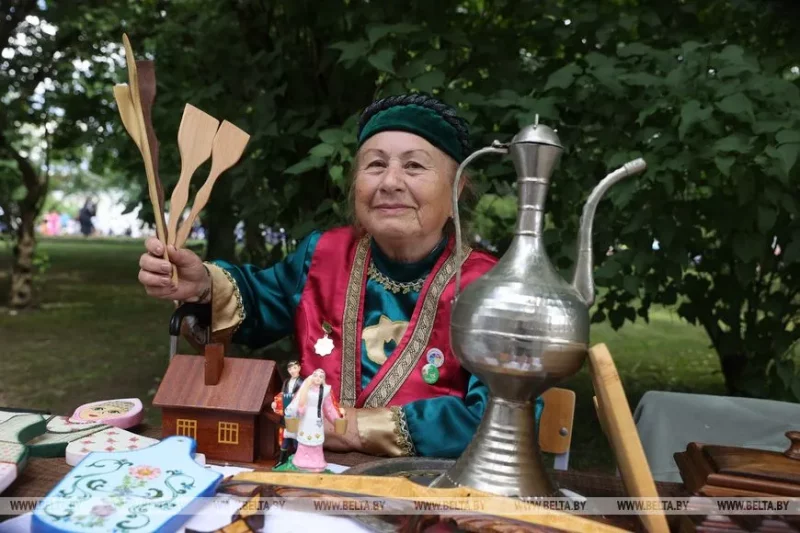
583	279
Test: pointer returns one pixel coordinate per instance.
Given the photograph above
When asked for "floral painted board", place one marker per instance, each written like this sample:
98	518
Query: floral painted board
16	429
60	432
151	490
125	413
108	440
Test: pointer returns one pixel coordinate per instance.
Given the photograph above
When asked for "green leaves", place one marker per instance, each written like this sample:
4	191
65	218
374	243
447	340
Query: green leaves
737	105
692	112
733	143
563	77
382	60
748	246
429	81
352	51
766	219
379	31
724	164
305	165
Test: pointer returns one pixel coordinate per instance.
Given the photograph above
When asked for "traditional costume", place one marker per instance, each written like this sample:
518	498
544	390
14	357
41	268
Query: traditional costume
319	406
282	400
380	329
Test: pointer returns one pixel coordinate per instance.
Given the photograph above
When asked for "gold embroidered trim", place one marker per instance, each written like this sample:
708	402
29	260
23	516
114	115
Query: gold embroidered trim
392	285
407	360
401	431
237	294
352	303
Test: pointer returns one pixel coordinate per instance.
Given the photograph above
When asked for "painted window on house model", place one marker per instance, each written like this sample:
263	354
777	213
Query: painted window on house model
186	428
228	433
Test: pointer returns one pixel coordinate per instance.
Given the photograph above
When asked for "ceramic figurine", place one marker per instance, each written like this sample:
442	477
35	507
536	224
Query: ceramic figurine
16	429
312	404
155	489
124	414
287	394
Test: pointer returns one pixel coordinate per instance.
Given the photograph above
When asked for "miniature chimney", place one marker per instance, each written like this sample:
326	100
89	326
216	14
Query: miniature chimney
215	362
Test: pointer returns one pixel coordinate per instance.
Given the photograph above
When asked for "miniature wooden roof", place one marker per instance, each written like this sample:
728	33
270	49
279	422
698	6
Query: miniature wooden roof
242	387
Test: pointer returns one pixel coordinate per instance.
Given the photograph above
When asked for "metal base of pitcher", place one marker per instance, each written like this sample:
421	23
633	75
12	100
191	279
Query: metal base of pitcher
503	457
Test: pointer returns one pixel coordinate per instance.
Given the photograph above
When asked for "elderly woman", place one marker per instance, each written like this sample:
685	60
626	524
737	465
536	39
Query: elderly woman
370	303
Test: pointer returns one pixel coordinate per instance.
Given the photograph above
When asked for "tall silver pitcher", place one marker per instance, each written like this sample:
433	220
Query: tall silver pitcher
521	328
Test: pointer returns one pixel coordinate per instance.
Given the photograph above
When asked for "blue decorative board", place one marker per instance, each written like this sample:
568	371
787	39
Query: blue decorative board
142	491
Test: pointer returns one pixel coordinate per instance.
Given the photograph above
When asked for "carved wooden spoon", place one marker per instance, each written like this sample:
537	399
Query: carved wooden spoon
195	141
229	145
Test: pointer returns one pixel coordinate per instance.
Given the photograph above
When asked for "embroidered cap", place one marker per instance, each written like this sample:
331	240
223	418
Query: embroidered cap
422	115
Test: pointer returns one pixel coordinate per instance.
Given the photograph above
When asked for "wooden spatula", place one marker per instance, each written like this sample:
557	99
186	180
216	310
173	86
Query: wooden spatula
195	141
144	146
146	73
229	144
122	94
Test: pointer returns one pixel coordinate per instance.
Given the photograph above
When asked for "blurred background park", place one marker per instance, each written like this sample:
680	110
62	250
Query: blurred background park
698	259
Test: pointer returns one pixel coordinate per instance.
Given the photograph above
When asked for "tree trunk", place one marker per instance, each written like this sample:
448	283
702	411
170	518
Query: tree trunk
255	249
733	369
21	296
220	224
36	184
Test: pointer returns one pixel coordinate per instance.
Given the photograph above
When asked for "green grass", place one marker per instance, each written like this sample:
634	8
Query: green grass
97	335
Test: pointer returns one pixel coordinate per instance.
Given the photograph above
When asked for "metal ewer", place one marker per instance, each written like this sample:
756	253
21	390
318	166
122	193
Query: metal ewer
521	328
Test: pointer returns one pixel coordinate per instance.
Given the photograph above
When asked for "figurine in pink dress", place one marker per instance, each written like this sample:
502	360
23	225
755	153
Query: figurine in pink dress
313	403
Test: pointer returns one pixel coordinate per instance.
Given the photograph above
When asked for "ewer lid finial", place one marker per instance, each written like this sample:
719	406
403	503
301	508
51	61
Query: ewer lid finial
537	134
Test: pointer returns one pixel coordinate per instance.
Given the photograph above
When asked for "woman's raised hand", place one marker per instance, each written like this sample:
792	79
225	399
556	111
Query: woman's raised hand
155	273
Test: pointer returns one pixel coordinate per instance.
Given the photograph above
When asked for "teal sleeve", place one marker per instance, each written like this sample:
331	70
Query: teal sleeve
444	426
271	295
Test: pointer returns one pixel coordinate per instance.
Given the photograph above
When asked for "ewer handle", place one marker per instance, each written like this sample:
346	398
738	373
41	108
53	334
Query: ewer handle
497	148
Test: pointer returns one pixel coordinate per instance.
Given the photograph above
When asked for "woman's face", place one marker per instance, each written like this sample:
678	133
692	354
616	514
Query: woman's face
318	379
403	187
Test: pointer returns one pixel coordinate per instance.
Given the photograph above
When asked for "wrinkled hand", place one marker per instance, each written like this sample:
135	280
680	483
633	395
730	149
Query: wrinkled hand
155	273
350	441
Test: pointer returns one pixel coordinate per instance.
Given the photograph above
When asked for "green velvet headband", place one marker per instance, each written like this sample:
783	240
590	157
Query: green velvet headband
418	120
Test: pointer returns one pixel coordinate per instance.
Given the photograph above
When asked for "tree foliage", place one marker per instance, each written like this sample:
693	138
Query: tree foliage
704	91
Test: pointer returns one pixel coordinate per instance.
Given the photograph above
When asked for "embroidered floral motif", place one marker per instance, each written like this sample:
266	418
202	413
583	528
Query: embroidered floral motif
401	432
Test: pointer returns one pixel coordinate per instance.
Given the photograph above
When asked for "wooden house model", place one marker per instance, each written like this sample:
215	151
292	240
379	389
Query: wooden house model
223	403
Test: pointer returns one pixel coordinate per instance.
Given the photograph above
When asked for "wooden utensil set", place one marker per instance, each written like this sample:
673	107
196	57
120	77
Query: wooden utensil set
200	136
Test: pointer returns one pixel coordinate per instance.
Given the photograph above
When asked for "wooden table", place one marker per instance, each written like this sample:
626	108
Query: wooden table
41	475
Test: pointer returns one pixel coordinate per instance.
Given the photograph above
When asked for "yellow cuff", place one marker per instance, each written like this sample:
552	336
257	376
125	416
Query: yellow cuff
227	309
383	431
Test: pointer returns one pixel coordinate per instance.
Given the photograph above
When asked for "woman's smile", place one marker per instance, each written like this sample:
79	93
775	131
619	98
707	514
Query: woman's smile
392	209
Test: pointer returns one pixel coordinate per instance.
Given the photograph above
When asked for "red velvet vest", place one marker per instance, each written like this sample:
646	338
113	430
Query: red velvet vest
334	293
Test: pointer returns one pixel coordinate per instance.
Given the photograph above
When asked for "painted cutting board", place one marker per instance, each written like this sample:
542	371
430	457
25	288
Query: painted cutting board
142	491
16	429
107	440
125	413
60	432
